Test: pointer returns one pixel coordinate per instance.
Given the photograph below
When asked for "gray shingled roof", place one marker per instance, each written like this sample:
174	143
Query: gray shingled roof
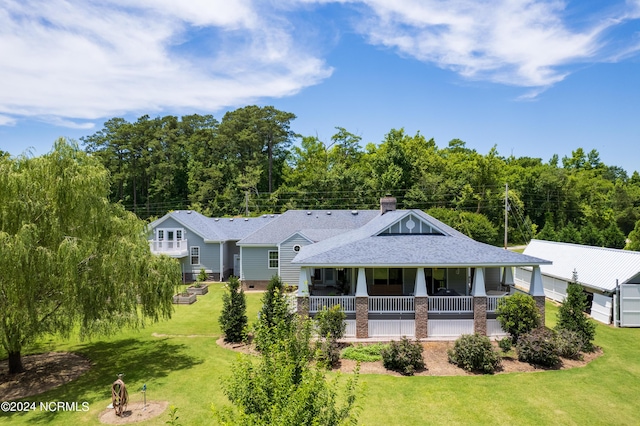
362	247
312	222
216	229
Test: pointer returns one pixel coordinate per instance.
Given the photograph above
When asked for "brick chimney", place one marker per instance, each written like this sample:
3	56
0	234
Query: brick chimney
387	204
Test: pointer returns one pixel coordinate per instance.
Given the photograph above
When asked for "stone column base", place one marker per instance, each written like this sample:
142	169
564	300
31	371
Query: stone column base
303	306
540	304
422	317
362	317
480	315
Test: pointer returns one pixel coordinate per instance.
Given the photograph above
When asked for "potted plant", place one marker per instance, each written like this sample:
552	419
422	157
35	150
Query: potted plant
199	287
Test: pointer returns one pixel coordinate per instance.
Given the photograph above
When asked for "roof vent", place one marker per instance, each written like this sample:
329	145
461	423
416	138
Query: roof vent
230	219
308	213
216	219
273	215
354	212
329	213
264	215
246	219
188	211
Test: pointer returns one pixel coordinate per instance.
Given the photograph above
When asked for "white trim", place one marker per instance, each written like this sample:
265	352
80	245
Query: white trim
221	262
241	277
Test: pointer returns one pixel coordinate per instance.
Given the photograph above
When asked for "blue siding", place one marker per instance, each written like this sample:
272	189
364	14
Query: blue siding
289	273
255	263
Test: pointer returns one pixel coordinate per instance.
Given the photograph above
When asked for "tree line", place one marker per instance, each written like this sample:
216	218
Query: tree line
252	162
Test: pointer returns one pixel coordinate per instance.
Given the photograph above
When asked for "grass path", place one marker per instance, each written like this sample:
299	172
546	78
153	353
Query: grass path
180	362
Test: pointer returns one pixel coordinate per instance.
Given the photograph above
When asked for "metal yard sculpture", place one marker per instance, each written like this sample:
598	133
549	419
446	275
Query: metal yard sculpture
119	396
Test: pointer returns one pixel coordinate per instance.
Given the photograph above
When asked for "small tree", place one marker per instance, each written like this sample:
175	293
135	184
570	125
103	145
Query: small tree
518	314
233	318
284	388
571	314
330	326
274	316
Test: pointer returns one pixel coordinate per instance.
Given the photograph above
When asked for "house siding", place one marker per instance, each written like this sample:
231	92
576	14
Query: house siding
290	274
209	255
255	264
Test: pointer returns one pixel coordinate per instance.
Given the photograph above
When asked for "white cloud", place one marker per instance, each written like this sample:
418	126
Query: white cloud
83	60
517	42
7	121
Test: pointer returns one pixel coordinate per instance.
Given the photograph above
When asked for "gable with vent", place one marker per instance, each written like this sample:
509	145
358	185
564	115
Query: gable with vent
411	225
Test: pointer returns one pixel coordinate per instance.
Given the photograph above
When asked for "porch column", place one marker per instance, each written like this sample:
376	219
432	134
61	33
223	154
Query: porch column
303	292
479	303
421	306
507	277
362	306
536	289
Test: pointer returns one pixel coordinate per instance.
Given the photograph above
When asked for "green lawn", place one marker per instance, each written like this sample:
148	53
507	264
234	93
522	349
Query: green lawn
185	367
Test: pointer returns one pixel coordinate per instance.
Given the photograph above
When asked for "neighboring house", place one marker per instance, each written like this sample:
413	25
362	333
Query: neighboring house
200	242
610	277
394	272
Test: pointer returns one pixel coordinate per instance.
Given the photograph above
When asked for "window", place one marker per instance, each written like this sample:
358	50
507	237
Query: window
195	255
273	259
178	234
160	234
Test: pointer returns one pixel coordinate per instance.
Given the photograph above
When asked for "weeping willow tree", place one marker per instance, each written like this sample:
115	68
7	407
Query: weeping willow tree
70	259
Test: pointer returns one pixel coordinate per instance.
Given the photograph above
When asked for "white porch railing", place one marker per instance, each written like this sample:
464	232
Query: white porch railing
387	304
451	304
171	248
492	302
317	303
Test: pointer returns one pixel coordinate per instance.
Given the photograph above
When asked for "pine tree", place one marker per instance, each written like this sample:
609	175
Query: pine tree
571	314
233	319
274	315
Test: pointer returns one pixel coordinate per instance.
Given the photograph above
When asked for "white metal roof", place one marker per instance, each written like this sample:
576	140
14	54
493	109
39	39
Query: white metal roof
597	267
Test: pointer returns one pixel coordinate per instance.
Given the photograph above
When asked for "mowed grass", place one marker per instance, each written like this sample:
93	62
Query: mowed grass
180	362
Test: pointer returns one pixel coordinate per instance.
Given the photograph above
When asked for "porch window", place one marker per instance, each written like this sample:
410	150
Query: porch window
160	234
179	234
273	259
195	255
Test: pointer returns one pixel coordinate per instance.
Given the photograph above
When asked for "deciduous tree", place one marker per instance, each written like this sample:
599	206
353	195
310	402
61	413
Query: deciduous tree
68	257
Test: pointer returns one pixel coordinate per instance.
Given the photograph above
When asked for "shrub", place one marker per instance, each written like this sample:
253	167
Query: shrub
233	318
330	322
569	343
404	356
274	316
202	276
571	315
474	352
364	353
518	314
539	346
327	352
505	344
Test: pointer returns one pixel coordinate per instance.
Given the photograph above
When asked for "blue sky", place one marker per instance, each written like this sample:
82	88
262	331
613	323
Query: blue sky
534	78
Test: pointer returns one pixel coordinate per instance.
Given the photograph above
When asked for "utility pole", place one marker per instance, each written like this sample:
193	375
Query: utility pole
506	215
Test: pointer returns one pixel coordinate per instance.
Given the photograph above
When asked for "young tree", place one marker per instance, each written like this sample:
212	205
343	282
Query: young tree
571	314
283	388
274	316
233	318
68	257
518	314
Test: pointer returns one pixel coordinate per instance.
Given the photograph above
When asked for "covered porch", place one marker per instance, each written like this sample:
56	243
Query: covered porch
381	303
